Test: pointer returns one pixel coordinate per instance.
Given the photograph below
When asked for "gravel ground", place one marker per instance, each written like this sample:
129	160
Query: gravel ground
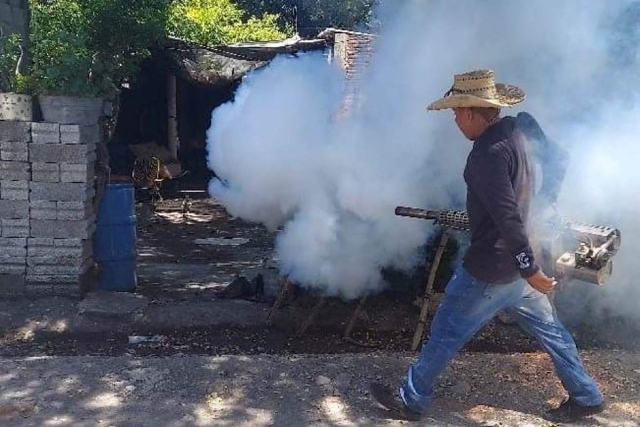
479	389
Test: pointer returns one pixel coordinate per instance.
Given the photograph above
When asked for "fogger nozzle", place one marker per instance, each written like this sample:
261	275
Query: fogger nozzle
417	213
590	261
458	220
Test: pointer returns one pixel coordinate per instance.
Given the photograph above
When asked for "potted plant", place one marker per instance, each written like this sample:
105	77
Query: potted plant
15	103
62	64
85	50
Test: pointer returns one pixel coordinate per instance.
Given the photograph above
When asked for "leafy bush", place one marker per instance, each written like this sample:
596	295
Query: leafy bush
123	33
212	22
62	61
92	47
11	79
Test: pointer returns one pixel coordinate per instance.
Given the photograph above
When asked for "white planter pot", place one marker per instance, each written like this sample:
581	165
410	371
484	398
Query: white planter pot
16	106
70	110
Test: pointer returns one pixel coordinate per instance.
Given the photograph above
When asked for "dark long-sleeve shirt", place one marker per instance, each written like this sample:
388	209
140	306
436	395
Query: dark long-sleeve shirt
552	158
500	187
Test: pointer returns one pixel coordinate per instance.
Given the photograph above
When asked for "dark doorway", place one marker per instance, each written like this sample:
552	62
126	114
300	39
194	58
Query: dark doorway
143	119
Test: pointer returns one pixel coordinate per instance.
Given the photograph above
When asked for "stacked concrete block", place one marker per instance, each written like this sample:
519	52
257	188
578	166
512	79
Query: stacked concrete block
62	218
13	254
57	265
14	204
46	211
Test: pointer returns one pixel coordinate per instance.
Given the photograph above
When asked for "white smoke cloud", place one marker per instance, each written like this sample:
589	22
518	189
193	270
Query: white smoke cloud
333	185
286	161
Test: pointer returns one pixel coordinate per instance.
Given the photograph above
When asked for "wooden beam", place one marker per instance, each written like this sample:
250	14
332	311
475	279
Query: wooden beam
426	298
172	115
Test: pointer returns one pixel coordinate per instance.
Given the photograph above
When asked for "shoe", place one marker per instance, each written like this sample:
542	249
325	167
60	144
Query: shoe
570	410
392	403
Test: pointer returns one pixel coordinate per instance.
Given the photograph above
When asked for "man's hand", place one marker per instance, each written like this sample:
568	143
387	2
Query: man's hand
541	283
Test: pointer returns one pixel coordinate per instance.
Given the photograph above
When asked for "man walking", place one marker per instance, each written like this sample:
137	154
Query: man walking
499	271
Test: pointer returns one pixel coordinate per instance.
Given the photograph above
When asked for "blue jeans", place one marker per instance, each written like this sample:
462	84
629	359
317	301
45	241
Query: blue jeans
468	305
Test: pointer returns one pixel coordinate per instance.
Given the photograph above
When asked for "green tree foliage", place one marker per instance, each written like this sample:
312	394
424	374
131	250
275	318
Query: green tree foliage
122	33
92	47
59	48
315	15
212	22
346	14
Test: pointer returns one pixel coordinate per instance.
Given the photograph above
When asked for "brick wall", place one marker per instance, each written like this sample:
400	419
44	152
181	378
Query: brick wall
13	16
46	212
353	52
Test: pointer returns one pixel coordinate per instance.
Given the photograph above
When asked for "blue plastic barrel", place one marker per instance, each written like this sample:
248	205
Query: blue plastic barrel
115	239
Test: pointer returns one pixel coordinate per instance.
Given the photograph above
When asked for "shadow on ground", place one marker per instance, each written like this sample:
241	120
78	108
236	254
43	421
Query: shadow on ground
477	390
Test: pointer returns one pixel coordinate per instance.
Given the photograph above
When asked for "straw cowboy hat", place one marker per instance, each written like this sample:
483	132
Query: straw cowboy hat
478	89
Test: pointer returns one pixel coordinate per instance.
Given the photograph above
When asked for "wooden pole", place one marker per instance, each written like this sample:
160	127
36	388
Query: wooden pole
172	115
426	298
354	318
285	286
312	316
